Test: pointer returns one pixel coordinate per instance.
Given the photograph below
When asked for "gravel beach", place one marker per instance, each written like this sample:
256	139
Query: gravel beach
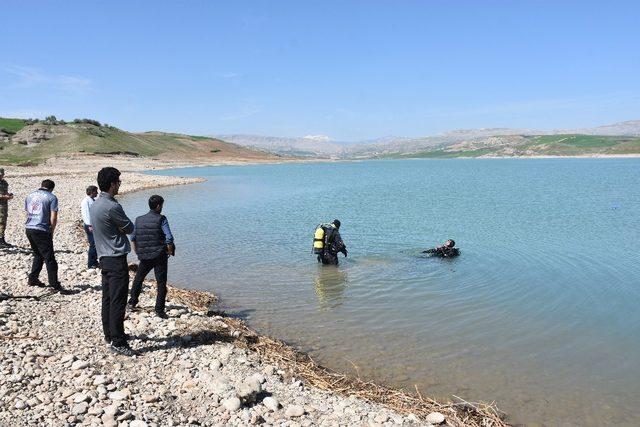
194	368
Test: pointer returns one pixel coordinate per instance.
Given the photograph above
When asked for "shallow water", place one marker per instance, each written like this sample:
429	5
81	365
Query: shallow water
539	313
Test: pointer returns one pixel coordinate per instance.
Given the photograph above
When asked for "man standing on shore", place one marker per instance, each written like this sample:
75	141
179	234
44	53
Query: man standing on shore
5	196
87	202
42	217
110	228
153	243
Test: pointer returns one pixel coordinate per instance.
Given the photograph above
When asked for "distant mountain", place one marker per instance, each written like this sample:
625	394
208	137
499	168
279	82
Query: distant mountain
463	142
308	146
628	128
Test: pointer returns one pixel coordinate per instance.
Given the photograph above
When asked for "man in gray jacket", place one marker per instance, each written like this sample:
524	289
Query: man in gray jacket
110	228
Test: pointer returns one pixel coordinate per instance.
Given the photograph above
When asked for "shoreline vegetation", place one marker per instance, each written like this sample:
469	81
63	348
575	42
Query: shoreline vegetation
197	367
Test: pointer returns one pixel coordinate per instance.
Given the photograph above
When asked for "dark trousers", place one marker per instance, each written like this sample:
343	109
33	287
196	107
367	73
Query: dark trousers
160	267
42	246
328	258
115	287
92	260
3	219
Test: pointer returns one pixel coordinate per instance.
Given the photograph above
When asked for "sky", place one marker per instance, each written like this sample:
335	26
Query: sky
352	70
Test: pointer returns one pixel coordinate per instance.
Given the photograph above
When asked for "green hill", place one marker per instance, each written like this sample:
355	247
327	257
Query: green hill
11	126
22	142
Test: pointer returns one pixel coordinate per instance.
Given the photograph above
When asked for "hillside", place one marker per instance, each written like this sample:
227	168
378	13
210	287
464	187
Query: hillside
22	141
611	139
526	146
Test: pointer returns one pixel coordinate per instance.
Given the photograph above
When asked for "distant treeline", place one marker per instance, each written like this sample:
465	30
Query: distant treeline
53	120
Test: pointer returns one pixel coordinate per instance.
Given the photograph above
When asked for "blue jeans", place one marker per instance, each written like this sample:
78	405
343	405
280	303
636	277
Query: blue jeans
92	261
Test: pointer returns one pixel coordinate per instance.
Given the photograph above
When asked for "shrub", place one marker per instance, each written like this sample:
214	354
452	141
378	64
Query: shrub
52	120
88	122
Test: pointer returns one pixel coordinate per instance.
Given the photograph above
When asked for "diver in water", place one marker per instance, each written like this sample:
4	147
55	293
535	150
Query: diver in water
445	251
327	243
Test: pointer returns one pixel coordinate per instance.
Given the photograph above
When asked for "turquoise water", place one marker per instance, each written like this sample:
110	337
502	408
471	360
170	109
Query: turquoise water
539	313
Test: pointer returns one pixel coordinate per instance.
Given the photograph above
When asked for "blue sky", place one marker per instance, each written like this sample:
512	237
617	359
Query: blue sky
348	69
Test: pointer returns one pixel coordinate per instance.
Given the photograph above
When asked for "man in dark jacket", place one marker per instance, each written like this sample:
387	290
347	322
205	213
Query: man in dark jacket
332	244
110	228
445	251
153	243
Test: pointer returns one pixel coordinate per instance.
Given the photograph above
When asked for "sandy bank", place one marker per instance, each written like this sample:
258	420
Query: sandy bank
193	368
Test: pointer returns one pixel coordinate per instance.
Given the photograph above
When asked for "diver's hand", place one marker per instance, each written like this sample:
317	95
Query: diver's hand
345	253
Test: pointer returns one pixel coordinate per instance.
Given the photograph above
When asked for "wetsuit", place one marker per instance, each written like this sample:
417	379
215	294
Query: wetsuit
333	244
443	252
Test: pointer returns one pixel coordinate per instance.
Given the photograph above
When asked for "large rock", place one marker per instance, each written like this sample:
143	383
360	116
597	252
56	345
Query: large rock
249	390
271	403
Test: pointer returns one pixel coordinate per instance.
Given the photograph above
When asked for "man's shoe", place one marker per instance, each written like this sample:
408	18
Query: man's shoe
108	339
162	314
133	307
124	350
59	288
37	283
4	244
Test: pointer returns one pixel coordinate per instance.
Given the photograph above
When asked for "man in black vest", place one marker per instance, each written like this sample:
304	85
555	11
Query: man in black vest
153	243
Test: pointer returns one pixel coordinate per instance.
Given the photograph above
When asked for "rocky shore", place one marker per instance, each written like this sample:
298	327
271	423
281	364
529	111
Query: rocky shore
194	368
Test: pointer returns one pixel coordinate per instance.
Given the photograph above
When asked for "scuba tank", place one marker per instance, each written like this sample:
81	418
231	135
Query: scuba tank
319	238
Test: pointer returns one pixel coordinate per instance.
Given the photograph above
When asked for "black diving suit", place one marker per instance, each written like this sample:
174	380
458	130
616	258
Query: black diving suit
442	252
333	244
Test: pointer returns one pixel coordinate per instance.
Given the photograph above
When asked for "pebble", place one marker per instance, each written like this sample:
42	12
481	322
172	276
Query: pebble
138	423
100	380
381	418
80	408
126	416
43	352
108	420
294	411
118	395
149	398
67	358
435	418
232	404
271	403
79	364
80	397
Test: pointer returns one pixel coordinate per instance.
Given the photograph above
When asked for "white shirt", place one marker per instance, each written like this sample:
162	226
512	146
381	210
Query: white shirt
86	208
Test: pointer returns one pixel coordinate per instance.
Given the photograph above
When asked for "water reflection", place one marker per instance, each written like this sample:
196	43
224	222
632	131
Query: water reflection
330	284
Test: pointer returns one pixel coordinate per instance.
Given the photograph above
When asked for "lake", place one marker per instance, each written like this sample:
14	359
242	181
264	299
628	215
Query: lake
539	312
